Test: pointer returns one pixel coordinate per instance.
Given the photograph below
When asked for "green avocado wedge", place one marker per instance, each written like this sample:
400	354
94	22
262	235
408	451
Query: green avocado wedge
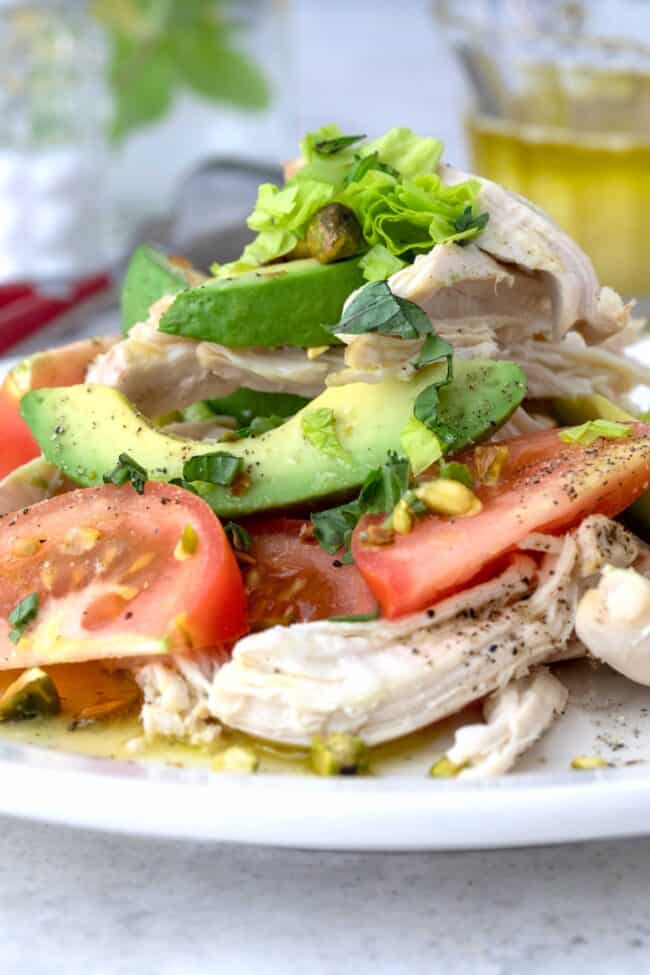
83	429
573	410
280	304
149	276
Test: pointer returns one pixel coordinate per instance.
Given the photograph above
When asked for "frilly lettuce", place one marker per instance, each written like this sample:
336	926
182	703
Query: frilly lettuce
401	204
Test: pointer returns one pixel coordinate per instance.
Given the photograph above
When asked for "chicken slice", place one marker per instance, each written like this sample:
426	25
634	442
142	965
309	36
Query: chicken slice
515	718
613	622
161	373
521	234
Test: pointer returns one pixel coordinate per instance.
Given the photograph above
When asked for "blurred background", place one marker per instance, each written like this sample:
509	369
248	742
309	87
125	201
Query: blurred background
125	120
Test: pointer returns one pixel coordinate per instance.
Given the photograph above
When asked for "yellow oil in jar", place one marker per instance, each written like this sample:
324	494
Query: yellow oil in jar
596	186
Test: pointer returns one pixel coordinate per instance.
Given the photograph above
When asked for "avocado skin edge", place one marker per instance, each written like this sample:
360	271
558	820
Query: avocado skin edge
83	429
283	304
149	276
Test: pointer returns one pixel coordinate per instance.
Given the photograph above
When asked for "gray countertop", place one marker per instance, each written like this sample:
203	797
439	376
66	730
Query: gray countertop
74	902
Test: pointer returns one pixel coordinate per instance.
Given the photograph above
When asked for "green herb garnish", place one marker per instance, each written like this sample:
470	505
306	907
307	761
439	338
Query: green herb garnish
333	528
22	614
238	537
319	429
259	425
376	309
129	470
587	433
455	471
328	147
357	617
470	222
218	468
366	164
433	350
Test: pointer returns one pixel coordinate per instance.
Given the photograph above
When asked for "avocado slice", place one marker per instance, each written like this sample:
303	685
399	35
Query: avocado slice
574	410
82	429
279	304
149	276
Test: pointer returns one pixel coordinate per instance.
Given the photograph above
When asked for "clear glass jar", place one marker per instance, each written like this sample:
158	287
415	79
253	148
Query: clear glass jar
72	195
560	112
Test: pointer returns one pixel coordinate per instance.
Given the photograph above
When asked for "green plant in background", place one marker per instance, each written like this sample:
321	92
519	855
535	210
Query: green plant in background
160	47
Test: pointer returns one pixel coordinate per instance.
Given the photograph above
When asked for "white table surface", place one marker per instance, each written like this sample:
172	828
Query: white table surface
73	902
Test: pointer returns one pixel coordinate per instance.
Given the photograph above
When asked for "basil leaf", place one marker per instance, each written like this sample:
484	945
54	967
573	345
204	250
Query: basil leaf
129	470
455	471
333	528
218	468
22	614
328	147
433	350
319	430
238	537
246	404
358	618
260	425
376	309
367	163
384	486
179	482
470	223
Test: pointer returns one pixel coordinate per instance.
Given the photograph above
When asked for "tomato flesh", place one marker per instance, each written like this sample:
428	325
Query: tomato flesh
112	580
55	367
294	580
546	485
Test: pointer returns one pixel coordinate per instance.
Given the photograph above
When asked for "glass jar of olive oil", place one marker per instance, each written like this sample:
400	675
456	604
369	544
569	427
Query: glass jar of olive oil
561	113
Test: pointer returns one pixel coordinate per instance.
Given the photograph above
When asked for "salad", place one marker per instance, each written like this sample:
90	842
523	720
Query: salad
366	475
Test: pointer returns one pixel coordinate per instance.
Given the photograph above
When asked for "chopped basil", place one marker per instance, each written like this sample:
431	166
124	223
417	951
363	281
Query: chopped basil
179	482
433	350
238	537
469	221
593	430
455	471
333	528
22	614
129	470
319	430
260	425
382	489
218	468
328	147
367	163
376	309
357	618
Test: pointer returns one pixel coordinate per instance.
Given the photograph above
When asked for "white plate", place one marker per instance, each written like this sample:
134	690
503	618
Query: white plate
400	809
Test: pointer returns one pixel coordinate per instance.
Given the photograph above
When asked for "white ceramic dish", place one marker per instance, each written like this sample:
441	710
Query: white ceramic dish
399	809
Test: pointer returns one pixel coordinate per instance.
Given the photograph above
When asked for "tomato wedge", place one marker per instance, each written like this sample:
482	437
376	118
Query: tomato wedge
112	579
56	367
546	485
293	579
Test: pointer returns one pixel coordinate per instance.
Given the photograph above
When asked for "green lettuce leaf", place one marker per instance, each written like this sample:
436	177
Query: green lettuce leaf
420	445
378	264
408	153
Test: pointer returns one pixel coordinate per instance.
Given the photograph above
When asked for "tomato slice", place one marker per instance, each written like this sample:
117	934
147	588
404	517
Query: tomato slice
112	579
546	485
55	367
293	579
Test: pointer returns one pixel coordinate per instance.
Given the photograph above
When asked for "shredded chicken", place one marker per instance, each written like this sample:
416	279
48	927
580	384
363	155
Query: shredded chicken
176	699
515	718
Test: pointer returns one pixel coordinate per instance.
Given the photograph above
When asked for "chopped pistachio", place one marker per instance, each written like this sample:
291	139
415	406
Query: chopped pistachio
402	518
237	758
584	763
32	695
339	754
187	545
444	768
489	461
316	351
447	497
